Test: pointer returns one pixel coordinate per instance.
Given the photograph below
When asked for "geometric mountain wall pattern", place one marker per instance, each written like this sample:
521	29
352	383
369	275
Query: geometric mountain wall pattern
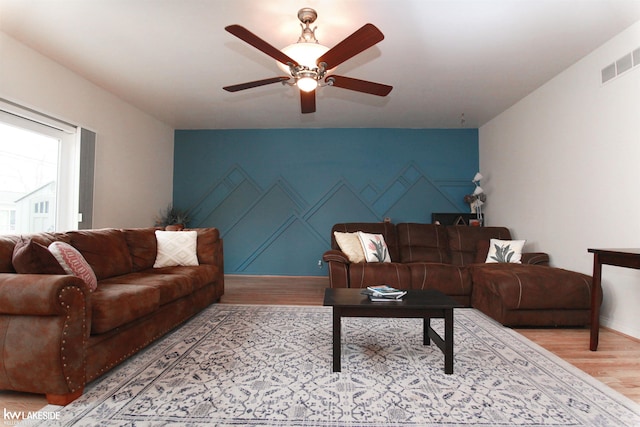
274	194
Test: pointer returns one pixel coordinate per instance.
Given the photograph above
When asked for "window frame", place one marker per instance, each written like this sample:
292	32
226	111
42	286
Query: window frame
76	158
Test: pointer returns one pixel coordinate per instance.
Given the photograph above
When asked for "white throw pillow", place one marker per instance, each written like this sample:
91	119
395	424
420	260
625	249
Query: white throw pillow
350	244
505	251
176	248
374	246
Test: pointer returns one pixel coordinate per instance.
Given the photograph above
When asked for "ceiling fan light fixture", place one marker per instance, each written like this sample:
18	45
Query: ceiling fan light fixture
305	54
307	73
307	84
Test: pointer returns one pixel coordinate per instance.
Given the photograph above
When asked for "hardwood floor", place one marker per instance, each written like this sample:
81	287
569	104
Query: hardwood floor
616	363
270	290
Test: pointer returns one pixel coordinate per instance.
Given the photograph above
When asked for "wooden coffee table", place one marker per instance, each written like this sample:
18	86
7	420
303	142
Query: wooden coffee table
427	304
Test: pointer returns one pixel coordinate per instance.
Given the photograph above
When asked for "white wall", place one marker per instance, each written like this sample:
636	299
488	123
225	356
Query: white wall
561	170
134	151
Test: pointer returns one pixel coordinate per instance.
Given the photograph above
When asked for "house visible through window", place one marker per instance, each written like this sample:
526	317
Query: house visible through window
28	179
46	172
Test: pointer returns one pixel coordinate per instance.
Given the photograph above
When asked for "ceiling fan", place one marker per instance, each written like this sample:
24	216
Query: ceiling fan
309	65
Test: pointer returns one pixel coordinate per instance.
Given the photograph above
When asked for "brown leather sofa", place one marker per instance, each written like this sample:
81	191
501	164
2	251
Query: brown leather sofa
451	259
56	335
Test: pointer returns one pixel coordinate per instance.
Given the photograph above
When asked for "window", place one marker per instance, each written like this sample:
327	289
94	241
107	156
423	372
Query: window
29	177
40	169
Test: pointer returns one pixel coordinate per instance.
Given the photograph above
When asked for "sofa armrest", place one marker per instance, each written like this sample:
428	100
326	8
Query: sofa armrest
36	294
537	258
338	264
45	322
335	256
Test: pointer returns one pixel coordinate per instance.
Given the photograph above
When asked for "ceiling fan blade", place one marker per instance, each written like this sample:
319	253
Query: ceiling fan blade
249	85
359	85
308	101
255	41
367	36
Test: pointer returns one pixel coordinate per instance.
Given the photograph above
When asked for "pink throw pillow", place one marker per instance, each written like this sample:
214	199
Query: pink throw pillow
74	263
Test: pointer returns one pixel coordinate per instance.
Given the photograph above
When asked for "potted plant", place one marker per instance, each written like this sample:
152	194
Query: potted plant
172	218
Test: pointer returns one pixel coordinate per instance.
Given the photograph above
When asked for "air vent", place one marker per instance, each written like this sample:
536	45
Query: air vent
622	65
608	73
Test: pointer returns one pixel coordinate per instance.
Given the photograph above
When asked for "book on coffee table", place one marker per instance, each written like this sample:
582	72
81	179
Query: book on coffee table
384	299
384	293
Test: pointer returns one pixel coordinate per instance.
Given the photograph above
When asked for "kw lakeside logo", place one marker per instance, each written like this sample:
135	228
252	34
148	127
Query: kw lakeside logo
15	417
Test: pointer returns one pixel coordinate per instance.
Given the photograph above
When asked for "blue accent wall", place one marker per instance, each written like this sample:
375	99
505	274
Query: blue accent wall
275	194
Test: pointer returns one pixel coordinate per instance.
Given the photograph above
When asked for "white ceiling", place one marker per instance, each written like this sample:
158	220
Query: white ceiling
444	58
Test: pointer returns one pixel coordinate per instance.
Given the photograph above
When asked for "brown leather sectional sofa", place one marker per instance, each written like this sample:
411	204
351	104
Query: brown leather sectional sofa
451	259
56	335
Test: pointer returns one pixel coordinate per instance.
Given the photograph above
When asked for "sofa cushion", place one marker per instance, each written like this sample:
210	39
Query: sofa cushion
446	278
482	250
142	246
170	286
30	257
422	243
72	262
8	242
350	244
45	239
208	244
374	247
366	274
176	248
463	241
387	229
105	250
199	276
533	287
114	305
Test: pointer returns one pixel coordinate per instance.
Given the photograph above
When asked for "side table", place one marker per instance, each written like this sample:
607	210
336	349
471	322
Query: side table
627	257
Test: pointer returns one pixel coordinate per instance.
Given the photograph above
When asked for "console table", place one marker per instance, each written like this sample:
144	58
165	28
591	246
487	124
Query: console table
627	257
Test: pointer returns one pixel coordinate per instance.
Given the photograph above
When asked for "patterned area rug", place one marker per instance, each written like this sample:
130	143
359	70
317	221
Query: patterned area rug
271	366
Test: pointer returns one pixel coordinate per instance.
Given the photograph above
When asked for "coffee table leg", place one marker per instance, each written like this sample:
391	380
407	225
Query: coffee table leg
448	341
426	340
336	340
